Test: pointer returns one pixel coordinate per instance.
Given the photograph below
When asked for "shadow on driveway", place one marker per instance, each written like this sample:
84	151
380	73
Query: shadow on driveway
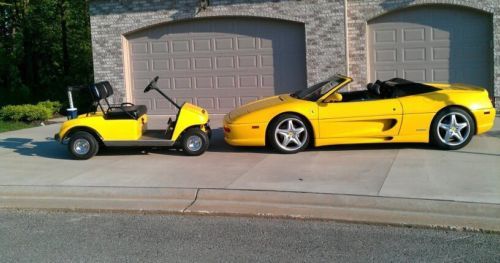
217	144
54	150
495	134
29	147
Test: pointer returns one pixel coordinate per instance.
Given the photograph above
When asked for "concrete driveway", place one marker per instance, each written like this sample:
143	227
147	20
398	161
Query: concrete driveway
30	158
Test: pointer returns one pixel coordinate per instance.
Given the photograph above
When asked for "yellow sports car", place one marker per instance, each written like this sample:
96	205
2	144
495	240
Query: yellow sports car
396	110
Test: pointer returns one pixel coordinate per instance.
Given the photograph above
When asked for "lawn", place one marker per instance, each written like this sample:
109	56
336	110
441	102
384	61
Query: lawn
12	126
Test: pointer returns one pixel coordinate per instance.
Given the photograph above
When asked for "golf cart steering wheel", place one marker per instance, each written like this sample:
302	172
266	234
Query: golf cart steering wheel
152	84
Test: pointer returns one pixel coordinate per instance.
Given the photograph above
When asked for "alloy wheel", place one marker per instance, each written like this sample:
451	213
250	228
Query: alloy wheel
453	129
290	134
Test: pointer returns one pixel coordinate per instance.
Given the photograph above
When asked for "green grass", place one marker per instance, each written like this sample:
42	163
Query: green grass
12	126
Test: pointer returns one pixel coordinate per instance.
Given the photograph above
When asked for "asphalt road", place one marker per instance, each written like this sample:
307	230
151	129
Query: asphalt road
28	236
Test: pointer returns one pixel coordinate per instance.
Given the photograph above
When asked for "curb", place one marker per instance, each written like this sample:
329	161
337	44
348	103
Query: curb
96	198
349	208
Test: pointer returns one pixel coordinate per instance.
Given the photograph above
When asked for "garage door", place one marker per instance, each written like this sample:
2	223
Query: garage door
218	63
432	43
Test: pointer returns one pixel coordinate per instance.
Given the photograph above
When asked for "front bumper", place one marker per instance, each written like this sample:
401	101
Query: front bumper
249	134
208	130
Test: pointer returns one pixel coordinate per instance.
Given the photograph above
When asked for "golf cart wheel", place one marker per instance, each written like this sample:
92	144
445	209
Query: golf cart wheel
452	129
288	134
83	145
194	142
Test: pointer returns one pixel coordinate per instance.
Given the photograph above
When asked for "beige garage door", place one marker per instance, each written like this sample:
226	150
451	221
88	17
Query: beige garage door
217	63
432	43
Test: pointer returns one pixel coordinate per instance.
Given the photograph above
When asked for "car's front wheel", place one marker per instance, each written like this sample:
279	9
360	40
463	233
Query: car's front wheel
452	129
289	134
83	145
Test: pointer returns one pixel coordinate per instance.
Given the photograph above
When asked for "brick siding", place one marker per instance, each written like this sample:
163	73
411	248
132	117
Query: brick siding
111	19
323	19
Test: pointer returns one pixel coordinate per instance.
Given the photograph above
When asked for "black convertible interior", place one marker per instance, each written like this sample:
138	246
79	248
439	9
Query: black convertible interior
393	88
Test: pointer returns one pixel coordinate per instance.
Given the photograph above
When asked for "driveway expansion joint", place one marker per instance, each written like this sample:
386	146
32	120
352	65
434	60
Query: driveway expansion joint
388	172
194	200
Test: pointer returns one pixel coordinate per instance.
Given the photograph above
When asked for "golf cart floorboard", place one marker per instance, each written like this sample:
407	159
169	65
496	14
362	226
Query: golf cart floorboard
155	138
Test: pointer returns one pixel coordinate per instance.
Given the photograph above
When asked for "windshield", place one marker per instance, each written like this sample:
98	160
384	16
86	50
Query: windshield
317	90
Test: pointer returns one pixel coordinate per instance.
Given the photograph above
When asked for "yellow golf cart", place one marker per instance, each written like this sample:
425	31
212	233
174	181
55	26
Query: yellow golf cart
126	125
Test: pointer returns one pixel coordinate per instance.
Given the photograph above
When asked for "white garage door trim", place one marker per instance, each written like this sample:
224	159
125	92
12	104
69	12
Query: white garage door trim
127	70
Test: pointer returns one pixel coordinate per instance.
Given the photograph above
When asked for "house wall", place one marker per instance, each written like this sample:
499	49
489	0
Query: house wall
112	19
324	20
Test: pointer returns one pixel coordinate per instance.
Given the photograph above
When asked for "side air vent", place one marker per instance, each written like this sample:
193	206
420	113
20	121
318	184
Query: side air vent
389	124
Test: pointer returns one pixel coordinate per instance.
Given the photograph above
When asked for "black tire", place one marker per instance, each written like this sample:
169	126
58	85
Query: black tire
194	142
460	137
83	145
273	136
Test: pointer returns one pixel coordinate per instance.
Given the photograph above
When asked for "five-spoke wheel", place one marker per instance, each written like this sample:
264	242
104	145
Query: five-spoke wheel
452	129
288	134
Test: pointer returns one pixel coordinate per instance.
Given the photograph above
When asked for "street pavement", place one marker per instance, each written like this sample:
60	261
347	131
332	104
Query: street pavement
112	237
32	163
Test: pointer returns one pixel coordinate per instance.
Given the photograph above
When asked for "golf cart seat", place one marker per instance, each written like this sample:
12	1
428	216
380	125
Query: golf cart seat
102	91
130	112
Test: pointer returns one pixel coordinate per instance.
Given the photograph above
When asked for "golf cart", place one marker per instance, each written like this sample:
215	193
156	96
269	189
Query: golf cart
126	125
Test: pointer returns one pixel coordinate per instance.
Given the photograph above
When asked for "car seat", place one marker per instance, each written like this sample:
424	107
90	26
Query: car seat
374	89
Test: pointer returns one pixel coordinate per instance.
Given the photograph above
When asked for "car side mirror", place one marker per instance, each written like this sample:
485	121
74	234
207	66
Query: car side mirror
335	97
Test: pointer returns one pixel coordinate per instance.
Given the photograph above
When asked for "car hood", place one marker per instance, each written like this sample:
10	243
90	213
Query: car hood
258	105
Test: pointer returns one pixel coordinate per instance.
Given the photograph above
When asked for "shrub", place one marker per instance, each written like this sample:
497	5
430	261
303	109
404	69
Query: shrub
54	106
26	112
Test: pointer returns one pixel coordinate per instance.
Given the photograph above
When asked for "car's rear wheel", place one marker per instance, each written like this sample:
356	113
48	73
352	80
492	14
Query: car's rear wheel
83	145
288	134
194	142
452	129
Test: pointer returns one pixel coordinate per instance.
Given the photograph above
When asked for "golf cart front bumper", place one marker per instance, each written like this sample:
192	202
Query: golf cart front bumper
57	137
208	130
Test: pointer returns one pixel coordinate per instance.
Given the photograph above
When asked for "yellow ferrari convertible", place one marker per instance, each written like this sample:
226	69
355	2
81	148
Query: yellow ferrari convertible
396	110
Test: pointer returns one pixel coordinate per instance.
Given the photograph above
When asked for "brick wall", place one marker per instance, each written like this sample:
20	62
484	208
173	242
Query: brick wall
323	19
111	19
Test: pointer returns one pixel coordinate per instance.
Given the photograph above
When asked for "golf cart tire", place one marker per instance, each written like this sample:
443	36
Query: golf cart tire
194	133
85	137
